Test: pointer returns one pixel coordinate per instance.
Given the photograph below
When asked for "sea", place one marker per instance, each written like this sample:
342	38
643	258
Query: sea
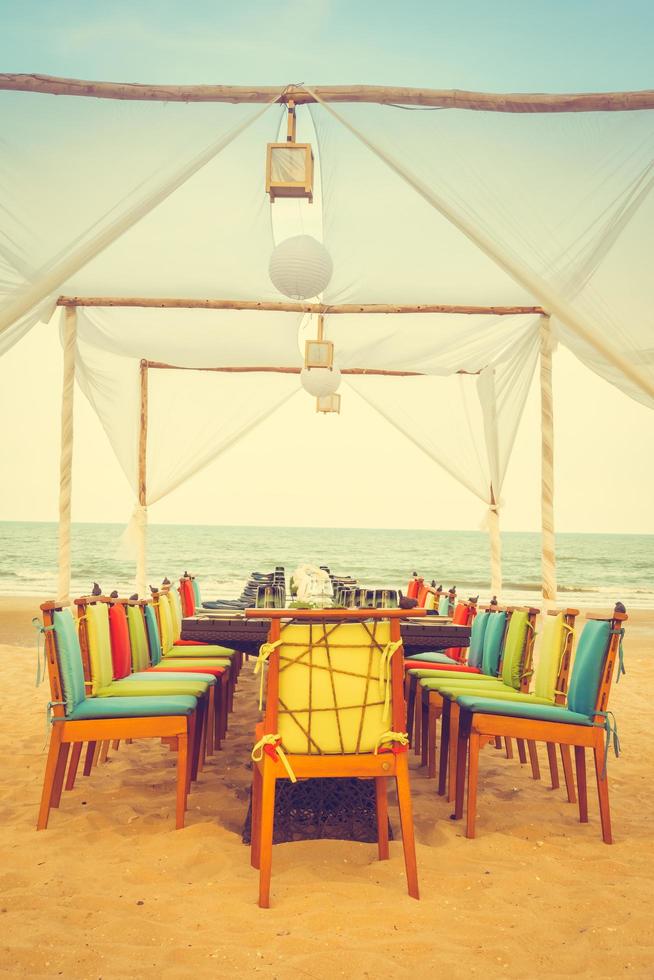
593	570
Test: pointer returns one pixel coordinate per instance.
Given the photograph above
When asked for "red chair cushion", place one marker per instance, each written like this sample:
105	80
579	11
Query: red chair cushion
190	643
121	651
188	597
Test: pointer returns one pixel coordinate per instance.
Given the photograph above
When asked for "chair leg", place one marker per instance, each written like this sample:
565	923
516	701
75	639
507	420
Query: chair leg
461	759
266	833
59	774
410	698
498	741
522	752
115	744
104	751
183	773
566	762
473	775
381	801
211	720
49	776
424	727
445	747
533	758
580	765
554	769
406	820
75	754
191	749
603	794
508	746
455	721
418	716
88	759
433	713
255	830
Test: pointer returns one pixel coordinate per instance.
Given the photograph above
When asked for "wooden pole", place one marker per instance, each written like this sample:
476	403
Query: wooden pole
380	94
173	303
266	369
66	457
141	523
548	548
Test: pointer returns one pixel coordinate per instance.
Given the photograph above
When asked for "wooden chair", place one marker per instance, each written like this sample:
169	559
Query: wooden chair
334	708
584	723
76	718
551	683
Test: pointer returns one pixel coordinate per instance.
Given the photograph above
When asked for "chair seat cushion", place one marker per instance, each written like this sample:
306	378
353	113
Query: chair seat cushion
132	689
434	683
536	712
498	691
194	678
96	708
215	672
434	658
207	650
191	663
191	643
442	670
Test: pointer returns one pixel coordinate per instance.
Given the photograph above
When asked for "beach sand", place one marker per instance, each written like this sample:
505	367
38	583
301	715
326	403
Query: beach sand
112	890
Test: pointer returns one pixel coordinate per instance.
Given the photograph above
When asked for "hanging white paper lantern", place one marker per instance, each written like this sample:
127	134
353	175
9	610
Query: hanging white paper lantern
320	381
300	267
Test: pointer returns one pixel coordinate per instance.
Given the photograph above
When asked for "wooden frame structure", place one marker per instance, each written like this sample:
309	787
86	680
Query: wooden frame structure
380	94
71	303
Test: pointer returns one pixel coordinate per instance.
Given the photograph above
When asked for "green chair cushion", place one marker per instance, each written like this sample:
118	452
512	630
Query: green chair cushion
514	648
99	640
137	638
147	675
435	679
154	639
137	689
205	650
555	632
502	693
97	708
426	672
536	712
70	660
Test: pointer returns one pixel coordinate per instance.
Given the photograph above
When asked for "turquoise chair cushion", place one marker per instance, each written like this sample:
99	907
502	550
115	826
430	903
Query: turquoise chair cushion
154	640
432	658
444	605
96	708
177	675
493	636
477	633
588	666
514	648
535	712
196	590
70	660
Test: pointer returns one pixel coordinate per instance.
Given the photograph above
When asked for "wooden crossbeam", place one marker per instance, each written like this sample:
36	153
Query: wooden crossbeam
381	94
161	303
267	369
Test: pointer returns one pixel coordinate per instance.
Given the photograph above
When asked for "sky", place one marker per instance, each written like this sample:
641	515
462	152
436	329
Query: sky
498	46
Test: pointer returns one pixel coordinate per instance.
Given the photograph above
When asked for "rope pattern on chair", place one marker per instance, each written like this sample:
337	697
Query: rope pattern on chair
324	640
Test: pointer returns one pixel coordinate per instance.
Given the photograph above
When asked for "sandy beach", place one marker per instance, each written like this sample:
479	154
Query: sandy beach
112	890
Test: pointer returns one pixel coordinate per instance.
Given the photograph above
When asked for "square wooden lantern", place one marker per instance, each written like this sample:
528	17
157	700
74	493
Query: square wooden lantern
289	170
318	354
328	403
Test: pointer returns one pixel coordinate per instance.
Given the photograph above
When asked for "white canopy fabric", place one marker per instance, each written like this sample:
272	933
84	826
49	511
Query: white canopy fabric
125	199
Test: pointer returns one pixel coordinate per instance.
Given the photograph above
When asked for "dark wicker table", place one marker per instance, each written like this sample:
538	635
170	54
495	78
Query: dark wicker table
320	808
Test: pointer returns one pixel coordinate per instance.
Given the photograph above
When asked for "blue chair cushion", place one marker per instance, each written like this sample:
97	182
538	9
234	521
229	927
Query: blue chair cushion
177	675
97	708
588	666
432	658
493	637
535	712
154	640
70	659
477	634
